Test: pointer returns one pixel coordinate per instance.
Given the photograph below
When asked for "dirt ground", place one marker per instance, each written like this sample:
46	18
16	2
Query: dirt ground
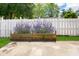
59	48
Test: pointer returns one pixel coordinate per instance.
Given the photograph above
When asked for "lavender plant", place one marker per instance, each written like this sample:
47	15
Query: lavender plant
22	28
38	27
47	27
43	27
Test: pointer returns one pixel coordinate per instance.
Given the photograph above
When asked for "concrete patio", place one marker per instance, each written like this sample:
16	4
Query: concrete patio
59	48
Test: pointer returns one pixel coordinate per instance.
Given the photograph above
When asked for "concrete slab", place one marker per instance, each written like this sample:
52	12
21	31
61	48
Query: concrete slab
59	48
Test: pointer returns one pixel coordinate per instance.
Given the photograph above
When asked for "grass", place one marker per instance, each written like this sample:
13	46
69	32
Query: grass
67	38
4	41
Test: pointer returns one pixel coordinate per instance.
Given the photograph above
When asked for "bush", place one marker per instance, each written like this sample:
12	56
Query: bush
38	27
43	27
22	28
69	14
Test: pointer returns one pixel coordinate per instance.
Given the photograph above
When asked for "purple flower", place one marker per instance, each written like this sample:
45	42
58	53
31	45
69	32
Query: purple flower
47	25
43	27
22	27
38	27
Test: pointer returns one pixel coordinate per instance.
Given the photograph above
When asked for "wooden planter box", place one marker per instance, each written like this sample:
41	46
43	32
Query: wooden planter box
33	37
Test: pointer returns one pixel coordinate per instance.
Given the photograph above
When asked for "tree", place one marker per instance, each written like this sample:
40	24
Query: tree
52	10
3	9
77	12
12	10
28	10
69	14
46	10
38	10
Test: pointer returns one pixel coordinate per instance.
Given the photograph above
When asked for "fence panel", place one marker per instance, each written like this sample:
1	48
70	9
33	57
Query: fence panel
62	26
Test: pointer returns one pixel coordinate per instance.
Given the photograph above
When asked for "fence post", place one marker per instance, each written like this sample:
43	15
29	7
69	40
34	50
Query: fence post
2	18
20	17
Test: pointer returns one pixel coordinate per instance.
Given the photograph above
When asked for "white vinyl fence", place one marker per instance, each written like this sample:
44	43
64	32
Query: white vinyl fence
62	26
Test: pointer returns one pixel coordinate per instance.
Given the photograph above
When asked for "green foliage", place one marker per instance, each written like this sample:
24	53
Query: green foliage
39	10
77	12
12	10
52	10
28	10
69	14
46	10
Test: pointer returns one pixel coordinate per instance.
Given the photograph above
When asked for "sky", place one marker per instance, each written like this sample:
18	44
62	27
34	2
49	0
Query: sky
74	6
